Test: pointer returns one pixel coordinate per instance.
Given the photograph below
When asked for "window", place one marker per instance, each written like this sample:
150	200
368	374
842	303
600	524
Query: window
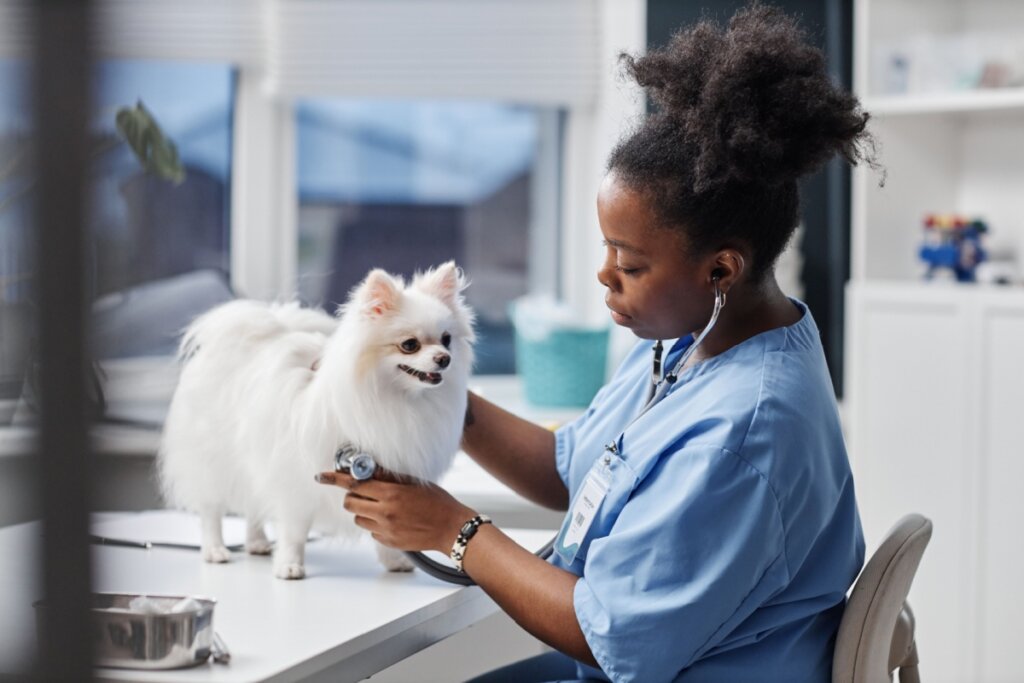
155	239
15	257
405	185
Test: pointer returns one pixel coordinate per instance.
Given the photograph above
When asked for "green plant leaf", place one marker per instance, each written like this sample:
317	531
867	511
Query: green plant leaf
154	150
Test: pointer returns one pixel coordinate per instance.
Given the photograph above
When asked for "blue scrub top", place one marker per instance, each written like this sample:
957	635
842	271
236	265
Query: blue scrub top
729	533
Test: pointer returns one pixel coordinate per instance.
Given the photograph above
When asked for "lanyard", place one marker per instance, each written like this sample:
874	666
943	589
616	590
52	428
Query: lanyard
660	386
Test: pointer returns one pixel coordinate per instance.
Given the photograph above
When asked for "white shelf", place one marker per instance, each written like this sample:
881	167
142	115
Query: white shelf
974	101
926	292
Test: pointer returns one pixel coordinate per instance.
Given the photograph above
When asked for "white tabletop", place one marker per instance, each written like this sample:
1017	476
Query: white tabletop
348	616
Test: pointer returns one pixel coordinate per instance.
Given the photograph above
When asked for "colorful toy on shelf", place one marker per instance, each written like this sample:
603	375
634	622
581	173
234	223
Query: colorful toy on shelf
952	245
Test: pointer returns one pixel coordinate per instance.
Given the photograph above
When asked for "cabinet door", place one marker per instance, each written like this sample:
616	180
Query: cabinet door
999	593
911	449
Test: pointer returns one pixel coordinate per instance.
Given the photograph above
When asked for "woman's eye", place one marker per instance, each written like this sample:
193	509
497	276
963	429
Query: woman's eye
627	271
410	345
446	340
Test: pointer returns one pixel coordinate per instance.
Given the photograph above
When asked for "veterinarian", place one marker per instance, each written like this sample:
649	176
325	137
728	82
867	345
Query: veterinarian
713	529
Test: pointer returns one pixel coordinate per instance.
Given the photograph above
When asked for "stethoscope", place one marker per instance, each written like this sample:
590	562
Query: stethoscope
661	385
361	466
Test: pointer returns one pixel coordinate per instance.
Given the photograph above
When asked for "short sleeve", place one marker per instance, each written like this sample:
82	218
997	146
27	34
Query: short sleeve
565	437
695	550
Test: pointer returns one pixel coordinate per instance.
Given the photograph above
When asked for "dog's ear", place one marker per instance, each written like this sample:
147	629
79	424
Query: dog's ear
378	294
445	282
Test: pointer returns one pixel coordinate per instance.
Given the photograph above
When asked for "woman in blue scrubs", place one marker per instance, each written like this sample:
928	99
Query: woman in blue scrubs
713	532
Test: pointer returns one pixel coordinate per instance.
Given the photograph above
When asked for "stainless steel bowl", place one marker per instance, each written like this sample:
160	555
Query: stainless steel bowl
126	639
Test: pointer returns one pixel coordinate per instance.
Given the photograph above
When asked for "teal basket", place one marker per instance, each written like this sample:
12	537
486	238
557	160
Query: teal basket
565	369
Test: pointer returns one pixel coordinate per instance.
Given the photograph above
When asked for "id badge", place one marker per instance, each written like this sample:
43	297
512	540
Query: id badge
581	516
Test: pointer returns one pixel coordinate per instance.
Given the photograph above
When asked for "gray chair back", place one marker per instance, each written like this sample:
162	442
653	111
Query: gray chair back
876	634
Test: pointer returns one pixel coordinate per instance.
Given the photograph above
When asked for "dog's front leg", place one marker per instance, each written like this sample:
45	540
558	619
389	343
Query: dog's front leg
290	553
213	547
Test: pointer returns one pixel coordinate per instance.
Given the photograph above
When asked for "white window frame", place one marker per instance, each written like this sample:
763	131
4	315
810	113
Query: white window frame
256	38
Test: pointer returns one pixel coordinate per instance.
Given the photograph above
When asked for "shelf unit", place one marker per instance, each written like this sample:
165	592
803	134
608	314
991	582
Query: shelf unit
943	151
976	102
934	372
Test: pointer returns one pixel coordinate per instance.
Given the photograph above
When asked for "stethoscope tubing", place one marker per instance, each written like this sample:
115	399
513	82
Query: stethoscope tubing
445	572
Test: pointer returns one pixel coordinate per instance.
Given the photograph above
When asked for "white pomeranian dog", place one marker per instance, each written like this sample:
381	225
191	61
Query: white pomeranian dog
268	393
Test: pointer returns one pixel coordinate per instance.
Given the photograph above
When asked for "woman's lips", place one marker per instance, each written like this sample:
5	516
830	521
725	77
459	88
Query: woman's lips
620	318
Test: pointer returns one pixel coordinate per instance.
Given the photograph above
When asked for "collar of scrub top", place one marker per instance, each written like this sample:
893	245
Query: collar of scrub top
660	386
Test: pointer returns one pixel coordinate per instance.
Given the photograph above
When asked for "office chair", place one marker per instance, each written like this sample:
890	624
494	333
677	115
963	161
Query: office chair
876	634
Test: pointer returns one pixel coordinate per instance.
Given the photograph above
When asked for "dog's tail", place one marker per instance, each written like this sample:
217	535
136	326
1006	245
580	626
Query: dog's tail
245	322
232	323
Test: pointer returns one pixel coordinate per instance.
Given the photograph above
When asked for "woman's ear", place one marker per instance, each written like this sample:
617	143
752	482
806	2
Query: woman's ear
727	266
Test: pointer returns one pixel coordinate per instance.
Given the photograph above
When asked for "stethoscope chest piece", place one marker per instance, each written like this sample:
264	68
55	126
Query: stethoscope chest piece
352	461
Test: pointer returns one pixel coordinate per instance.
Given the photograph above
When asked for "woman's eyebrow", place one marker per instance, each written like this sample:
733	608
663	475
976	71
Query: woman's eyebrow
622	245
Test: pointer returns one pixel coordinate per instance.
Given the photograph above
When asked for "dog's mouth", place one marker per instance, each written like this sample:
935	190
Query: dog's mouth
426	377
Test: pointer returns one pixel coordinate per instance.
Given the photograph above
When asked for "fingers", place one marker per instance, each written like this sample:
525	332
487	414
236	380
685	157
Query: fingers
378	532
341	479
381	474
366	513
368	488
361	506
369	524
347	481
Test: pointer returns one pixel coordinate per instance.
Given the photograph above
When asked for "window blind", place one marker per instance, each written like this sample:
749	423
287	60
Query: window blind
541	52
530	51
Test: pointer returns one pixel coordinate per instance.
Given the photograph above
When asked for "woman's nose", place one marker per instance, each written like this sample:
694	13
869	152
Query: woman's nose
607	276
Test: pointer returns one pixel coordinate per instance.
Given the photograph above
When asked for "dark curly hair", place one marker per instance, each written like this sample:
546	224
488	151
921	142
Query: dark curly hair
741	113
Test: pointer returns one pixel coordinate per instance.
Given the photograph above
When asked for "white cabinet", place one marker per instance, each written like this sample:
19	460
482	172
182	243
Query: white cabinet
935	423
1000	593
935	372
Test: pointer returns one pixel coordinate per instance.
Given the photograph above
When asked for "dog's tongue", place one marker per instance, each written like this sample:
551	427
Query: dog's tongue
433	377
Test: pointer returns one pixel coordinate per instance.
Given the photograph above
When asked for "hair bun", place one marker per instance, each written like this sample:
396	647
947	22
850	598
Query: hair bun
754	102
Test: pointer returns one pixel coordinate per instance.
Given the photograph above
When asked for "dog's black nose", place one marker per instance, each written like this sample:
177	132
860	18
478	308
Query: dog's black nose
442	359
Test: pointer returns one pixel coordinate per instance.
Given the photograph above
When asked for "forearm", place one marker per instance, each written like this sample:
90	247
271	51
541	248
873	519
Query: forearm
537	595
517	452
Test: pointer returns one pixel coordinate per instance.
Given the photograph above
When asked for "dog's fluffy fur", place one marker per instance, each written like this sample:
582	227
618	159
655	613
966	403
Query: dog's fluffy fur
269	392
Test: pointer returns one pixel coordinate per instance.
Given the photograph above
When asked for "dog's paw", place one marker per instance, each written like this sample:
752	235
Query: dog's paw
289	570
394	560
259	547
402	565
218	554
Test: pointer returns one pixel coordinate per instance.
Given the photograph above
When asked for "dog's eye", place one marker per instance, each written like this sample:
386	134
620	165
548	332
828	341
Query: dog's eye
446	340
410	345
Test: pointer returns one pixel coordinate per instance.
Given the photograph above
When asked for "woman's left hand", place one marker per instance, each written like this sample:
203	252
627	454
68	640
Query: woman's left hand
407	516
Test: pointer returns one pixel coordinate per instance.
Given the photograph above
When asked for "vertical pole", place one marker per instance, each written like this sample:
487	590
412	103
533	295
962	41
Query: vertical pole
838	32
61	84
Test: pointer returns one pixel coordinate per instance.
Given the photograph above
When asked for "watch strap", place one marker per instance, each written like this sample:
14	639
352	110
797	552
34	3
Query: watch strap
467	532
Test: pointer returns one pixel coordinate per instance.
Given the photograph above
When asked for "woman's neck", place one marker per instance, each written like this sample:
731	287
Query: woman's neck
750	310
